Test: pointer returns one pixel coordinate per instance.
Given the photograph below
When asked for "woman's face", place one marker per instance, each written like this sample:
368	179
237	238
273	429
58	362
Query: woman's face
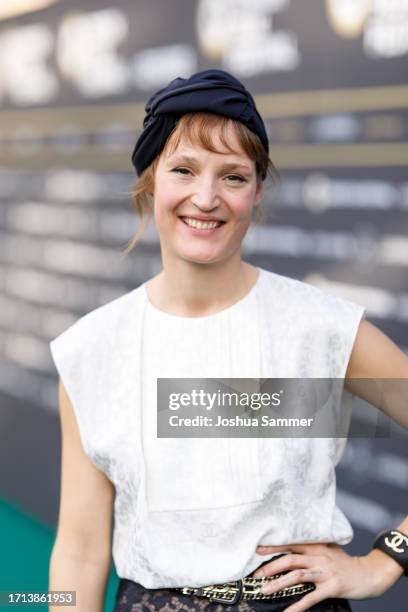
192	184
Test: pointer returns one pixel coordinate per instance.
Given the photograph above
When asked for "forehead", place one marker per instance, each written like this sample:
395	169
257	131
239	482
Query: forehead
224	142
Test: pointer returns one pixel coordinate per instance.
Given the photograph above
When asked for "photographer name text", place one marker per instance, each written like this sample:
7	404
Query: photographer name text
238	421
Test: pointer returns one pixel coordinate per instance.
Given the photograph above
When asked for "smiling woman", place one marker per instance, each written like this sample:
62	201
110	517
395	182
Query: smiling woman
213	133
195	516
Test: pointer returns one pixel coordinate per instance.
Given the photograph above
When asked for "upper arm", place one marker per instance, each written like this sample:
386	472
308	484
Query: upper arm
86	497
377	357
374	355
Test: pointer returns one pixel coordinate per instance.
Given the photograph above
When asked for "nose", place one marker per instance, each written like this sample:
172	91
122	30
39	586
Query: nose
206	195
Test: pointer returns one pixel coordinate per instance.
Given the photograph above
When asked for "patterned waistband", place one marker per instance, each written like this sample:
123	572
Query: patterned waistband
231	593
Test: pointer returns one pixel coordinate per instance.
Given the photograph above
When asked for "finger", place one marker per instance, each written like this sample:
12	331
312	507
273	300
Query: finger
267	550
286	563
309	600
315	548
294	578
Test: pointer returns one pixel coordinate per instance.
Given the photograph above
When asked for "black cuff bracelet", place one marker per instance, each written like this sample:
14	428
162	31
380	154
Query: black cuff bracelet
395	544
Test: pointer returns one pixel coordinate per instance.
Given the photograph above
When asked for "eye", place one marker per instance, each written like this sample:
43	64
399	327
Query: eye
182	171
236	178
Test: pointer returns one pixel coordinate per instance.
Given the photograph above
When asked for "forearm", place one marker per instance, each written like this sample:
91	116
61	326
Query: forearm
87	577
404	526
386	569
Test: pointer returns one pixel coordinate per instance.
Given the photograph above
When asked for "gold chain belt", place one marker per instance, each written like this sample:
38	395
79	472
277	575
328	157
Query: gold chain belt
233	592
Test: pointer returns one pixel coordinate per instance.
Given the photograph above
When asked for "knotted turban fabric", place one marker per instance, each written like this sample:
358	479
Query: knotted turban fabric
213	91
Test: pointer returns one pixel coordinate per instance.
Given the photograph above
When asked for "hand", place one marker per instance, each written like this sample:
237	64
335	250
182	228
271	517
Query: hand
334	572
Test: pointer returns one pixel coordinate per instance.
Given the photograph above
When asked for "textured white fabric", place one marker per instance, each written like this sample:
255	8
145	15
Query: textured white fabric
192	511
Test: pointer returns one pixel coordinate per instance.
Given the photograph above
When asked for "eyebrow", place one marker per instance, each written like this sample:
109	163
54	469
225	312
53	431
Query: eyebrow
193	161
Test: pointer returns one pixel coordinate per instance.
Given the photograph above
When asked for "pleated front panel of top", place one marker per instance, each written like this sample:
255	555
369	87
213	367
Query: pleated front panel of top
199	473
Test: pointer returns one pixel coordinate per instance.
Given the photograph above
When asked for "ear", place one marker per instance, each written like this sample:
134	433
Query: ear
259	193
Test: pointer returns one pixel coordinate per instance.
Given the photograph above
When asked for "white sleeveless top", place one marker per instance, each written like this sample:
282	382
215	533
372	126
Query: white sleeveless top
191	512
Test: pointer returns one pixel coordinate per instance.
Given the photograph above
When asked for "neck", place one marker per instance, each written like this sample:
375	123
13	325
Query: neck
189	289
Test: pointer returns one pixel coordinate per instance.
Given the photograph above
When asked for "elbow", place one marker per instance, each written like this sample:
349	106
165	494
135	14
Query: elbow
81	552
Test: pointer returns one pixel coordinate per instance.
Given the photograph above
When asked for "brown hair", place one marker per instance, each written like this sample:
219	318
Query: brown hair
198	127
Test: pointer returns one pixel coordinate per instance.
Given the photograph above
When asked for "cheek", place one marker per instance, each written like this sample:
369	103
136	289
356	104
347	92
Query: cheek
165	202
167	198
242	204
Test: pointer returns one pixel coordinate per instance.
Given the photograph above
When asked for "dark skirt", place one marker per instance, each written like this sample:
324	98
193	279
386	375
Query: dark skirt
133	597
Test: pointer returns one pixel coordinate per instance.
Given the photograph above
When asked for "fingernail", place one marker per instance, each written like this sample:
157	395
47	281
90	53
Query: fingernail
264	590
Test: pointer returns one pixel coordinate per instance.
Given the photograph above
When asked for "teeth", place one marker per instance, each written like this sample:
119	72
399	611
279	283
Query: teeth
201	224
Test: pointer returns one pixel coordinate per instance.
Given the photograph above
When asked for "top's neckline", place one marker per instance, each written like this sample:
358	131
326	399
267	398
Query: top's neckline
213	315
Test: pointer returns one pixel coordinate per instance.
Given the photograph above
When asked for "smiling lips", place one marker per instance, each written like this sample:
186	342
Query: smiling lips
202	225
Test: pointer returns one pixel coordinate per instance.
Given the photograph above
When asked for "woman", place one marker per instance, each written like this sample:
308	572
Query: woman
196	517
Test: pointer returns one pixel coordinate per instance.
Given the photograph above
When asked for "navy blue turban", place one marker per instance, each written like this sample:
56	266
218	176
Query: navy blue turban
213	91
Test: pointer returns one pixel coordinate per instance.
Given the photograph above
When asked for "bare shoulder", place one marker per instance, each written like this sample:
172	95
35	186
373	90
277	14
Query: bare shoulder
375	355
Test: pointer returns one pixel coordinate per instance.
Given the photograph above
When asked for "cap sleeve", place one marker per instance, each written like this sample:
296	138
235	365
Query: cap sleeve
348	321
68	351
82	356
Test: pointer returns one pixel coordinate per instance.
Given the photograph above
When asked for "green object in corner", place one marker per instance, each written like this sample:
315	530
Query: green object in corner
26	546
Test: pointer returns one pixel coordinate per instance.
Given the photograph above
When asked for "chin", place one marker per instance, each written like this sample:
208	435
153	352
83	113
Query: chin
200	258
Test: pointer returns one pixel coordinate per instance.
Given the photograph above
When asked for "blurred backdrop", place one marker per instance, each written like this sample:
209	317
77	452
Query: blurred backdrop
330	79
